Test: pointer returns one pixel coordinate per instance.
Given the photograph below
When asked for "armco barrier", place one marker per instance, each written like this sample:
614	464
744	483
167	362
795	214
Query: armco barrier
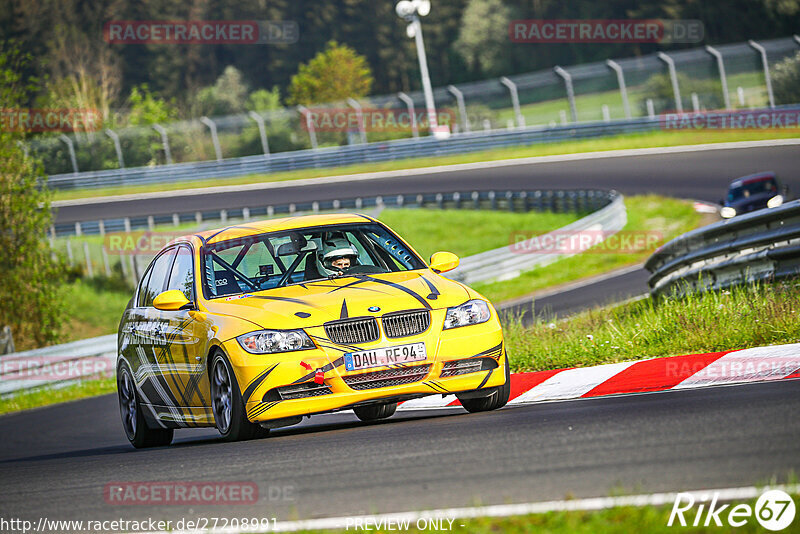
58	365
505	263
762	245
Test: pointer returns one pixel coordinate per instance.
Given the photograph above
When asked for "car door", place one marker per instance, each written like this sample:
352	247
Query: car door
160	378
188	333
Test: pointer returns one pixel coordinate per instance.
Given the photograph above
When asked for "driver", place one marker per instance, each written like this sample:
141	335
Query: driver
336	257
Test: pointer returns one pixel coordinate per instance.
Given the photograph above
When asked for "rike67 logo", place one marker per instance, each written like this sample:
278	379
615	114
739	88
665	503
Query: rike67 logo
774	510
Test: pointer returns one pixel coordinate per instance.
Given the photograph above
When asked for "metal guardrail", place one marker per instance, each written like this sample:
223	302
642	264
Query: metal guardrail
533	200
509	262
58	365
347	155
761	245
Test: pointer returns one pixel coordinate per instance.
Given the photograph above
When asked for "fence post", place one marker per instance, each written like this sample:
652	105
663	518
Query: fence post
212	126
570	91
765	62
410	106
164	142
106	265
462	108
722	77
71	150
512	88
673	76
606	113
312	133
114	137
651	109
623	89
353	103
88	258
70	257
695	102
78	229
262	130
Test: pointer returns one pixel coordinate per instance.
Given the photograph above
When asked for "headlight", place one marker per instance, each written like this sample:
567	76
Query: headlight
471	312
775	201
271	341
727	212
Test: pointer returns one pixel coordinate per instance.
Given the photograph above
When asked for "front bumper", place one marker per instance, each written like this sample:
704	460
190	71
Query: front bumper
259	375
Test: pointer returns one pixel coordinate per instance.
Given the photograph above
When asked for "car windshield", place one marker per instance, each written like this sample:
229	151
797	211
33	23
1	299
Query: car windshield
276	259
767	185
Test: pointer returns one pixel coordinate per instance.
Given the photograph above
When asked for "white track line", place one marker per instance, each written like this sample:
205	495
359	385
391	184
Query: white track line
507	510
534	160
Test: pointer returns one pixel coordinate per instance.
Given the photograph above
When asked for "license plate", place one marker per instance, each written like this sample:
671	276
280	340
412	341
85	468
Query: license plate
413	352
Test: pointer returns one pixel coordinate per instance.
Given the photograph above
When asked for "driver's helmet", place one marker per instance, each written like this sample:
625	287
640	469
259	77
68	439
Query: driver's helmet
332	250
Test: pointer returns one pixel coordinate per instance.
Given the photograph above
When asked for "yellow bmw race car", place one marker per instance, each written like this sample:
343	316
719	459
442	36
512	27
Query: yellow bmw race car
254	326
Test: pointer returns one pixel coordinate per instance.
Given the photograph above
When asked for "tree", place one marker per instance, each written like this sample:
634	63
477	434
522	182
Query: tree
333	75
30	279
146	108
786	80
225	97
483	40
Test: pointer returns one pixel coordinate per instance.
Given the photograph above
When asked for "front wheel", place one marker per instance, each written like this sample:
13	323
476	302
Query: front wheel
497	399
230	415
375	411
133	422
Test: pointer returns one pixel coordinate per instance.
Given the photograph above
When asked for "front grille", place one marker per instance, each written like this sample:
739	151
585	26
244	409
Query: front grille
466	366
406	323
388	377
297	391
349	331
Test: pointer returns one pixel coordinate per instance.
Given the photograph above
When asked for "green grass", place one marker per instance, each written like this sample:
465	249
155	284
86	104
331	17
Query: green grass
640	140
466	232
667	216
92	311
48	396
618	520
743	317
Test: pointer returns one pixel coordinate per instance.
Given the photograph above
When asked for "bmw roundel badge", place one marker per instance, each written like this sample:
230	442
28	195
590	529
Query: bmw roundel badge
374	309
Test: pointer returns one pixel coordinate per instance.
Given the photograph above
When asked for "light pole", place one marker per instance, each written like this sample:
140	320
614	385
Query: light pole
411	11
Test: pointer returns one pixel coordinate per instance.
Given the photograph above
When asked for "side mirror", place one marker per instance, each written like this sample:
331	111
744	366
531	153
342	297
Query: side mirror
171	300
441	262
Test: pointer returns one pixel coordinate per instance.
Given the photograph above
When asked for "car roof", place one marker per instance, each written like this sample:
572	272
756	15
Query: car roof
250	228
752	178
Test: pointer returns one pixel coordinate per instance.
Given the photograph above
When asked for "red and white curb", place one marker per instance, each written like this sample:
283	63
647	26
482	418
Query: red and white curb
777	362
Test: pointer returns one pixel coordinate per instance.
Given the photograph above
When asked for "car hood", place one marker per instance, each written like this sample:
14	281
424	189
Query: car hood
314	303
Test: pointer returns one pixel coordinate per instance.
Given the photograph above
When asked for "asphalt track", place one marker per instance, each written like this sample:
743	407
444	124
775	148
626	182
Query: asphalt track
55	462
702	175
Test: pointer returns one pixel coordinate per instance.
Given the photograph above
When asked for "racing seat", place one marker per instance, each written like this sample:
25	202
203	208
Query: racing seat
225	283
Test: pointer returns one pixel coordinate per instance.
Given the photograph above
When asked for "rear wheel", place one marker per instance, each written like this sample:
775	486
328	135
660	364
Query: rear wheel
497	399
133	422
230	415
375	411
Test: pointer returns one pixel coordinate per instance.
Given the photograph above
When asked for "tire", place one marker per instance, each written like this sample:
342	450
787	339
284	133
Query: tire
133	421
497	399
230	416
375	411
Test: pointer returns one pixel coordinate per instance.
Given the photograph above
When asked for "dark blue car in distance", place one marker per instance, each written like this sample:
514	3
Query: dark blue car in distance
751	193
